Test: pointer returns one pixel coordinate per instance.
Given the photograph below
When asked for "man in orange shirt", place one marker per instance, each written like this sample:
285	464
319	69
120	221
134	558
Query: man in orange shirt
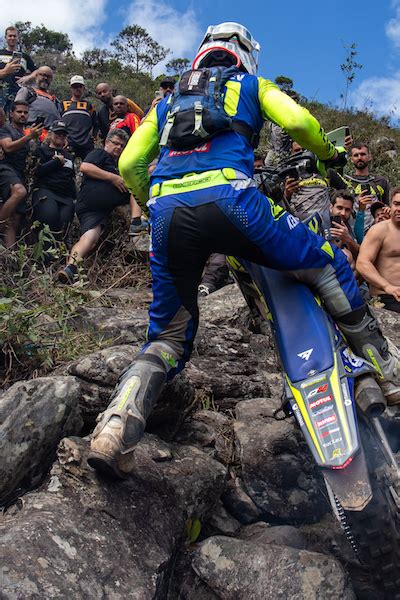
125	120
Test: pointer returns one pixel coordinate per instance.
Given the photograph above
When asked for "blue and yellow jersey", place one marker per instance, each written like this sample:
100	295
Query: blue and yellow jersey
248	99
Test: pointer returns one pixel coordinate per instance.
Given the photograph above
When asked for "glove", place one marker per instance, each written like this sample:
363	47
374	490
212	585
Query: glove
338	162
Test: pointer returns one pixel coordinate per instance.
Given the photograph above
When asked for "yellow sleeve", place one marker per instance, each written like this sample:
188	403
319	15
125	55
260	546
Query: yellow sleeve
278	107
140	150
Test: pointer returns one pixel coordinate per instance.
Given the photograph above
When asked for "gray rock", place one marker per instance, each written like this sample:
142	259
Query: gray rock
281	535
276	466
84	537
121	325
34	416
221	522
210	430
239	570
238	502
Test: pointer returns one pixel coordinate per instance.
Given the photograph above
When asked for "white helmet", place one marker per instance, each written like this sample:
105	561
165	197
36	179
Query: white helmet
231	39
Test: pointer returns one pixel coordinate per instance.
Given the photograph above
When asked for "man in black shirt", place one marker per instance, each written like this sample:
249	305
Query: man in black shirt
54	187
15	145
80	118
13	65
102	190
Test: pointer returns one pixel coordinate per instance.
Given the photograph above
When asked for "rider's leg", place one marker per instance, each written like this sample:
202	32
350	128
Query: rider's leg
287	244
177	265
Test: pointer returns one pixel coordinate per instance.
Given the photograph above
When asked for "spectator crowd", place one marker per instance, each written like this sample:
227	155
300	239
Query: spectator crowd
59	158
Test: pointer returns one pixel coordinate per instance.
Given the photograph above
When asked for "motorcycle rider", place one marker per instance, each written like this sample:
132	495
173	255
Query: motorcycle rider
203	201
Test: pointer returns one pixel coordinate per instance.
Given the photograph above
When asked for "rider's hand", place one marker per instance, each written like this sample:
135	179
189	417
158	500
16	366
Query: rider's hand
291	187
338	160
11	68
35	132
119	183
392	290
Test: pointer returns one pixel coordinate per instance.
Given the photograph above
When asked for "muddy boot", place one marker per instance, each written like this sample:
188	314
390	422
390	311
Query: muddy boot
122	424
366	339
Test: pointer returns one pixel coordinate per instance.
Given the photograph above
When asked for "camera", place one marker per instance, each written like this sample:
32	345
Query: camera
16	56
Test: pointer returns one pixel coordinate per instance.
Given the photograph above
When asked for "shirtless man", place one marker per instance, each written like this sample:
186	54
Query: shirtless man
379	257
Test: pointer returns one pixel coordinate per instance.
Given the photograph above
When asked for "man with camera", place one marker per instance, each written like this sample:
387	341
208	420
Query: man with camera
13	65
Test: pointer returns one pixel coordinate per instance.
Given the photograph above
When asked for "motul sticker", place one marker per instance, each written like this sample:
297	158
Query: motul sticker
326	421
320	401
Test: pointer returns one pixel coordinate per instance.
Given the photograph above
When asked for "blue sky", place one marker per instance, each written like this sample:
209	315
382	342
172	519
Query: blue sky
303	40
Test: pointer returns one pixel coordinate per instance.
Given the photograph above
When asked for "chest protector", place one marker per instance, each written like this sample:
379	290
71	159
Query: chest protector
197	111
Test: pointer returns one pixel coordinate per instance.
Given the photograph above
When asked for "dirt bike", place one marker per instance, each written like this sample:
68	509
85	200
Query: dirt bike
339	408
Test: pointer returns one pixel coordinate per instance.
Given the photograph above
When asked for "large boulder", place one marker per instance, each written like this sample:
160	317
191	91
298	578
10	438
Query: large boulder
34	416
277	468
239	570
84	537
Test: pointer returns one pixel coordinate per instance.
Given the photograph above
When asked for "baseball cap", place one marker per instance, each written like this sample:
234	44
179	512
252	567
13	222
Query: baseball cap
376	206
167	82
59	126
77	79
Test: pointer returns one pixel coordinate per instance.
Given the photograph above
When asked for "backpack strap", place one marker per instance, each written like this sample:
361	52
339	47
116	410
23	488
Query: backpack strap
252	137
168	126
198	121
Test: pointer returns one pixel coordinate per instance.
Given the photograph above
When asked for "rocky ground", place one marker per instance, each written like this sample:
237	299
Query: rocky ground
224	501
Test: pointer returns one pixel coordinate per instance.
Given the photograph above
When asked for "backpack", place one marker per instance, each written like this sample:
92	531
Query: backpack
197	111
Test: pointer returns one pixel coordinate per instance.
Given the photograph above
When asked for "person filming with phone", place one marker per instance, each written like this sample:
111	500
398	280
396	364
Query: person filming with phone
341	210
14	142
14	65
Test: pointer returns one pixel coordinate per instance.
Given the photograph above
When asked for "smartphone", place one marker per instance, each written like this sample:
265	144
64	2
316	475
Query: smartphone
158	94
39	121
336	219
365	187
337	136
16	56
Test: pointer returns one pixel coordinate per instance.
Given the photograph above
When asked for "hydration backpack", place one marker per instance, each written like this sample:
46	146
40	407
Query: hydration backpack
197	111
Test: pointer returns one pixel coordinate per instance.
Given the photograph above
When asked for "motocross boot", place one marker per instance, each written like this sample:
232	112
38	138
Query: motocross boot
122	424
366	339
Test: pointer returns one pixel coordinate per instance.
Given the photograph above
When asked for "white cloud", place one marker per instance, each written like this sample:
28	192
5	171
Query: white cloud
393	26
175	30
81	19
381	95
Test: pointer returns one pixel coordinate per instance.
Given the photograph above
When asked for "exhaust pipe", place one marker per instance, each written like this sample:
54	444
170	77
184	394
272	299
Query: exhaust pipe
369	396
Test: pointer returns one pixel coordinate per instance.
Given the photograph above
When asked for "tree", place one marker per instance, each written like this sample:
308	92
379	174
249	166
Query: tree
348	69
177	66
96	58
40	39
285	83
136	48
